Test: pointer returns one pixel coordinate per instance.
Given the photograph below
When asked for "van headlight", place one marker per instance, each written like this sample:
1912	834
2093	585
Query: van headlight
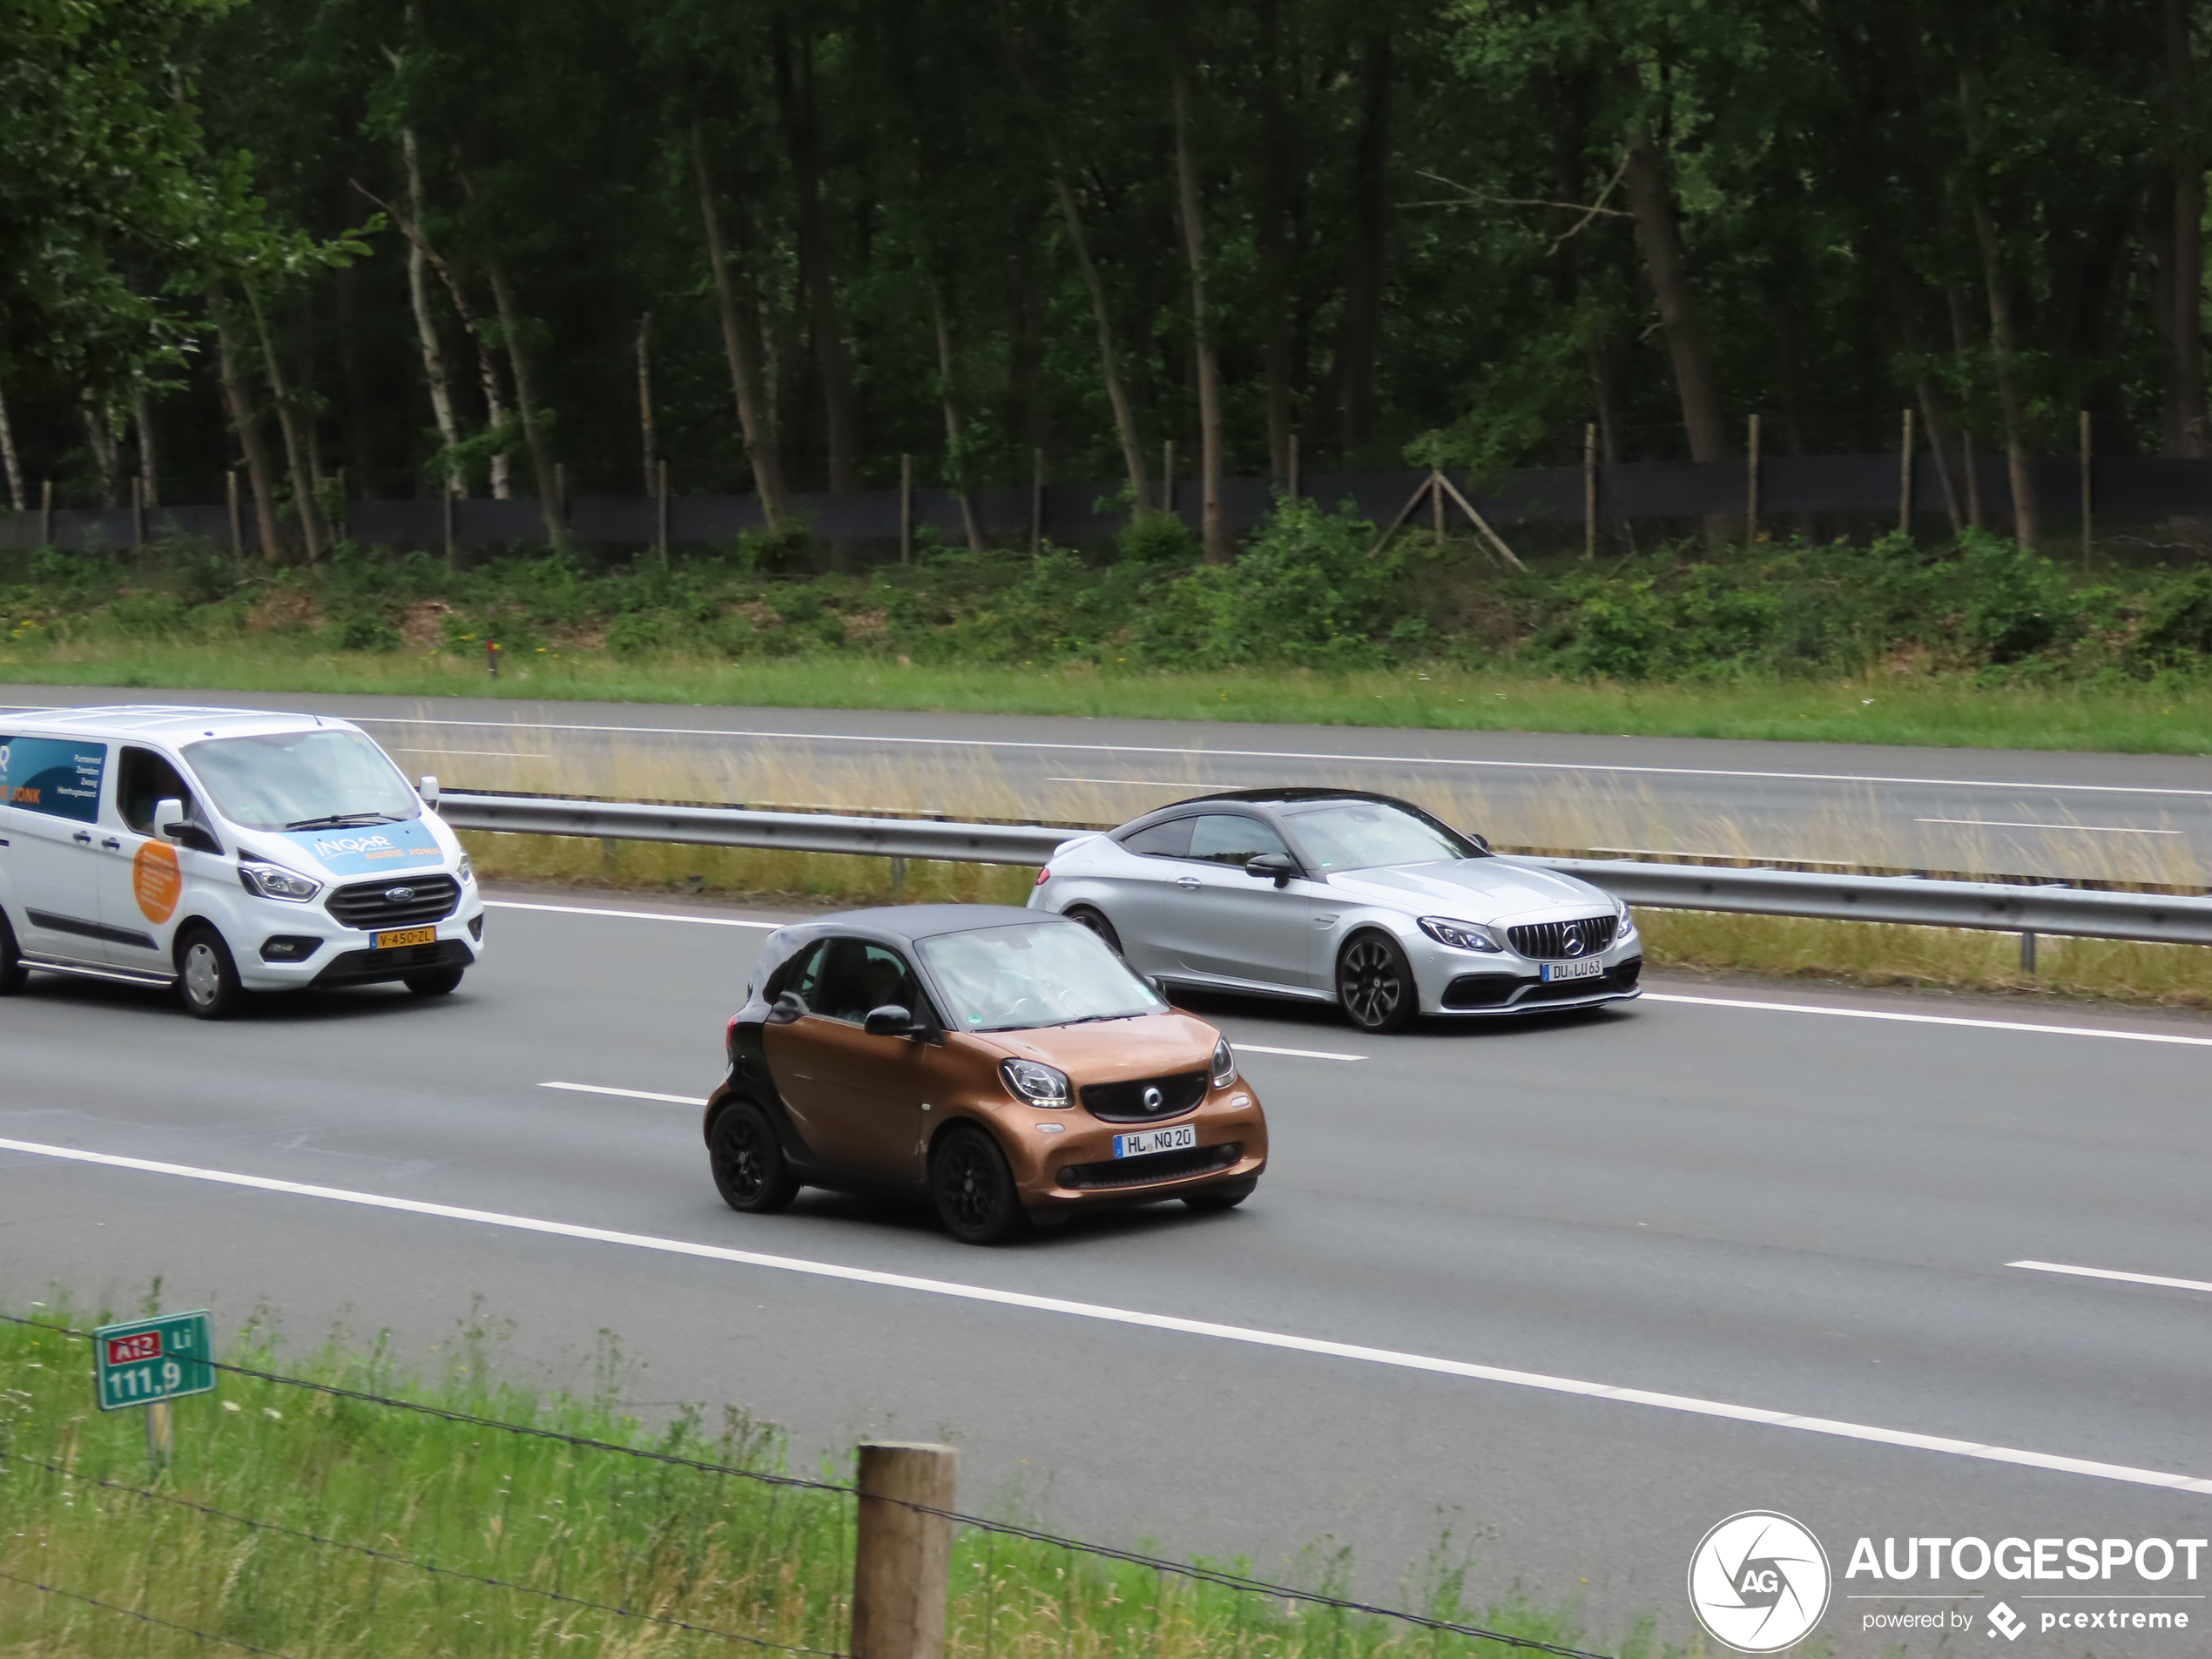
468	871
274	882
1225	1064
1034	1083
1460	935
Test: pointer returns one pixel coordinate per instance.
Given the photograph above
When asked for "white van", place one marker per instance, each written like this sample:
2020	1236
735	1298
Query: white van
223	851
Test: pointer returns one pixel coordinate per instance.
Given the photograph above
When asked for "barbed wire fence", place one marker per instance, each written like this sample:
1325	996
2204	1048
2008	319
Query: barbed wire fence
1074	1611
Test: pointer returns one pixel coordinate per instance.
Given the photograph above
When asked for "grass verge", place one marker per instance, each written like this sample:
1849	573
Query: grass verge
2126	718
539	1545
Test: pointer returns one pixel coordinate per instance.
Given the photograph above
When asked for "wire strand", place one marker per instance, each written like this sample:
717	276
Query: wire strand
145	1618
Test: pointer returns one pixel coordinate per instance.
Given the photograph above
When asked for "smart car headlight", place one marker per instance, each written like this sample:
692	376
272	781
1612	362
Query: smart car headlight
274	882
1460	935
1225	1064
1034	1083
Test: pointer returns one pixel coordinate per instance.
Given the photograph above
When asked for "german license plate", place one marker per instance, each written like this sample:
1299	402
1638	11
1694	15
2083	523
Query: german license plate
400	936
1589	969
1136	1143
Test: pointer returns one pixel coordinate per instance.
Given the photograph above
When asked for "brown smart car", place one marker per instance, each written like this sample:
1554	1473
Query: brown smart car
1003	1060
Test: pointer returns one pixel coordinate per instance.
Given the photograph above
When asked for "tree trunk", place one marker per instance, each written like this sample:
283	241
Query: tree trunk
1659	239
502	487
738	345
1109	367
948	398
258	472
149	456
833	362
2003	346
1359	339
10	461
451	482
1273	234
99	438
295	460
1208	363
550	506
2183	284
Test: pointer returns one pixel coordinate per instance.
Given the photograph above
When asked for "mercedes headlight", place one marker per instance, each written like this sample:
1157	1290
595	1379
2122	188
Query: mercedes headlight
1036	1083
1225	1064
274	882
1460	935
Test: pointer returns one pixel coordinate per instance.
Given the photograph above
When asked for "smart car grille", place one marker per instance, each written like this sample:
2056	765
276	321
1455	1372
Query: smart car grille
1150	1168
1124	1102
378	904
1548	940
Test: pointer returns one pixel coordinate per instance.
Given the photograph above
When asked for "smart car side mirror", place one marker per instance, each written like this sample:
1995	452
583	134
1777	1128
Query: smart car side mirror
1481	841
427	786
785	1008
892	1021
1280	866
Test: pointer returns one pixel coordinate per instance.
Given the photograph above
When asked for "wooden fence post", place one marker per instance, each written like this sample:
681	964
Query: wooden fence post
906	509
138	511
1590	491
2086	496
1905	479
45	512
1036	506
902	1558
452	556
238	522
1167	477
660	509
1751	484
1294	478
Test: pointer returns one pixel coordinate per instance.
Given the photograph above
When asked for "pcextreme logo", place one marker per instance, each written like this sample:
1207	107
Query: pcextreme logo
1758	1582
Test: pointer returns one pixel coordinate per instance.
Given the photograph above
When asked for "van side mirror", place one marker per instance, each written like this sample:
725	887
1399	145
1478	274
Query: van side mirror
785	1008
892	1021
169	823
1280	866
427	786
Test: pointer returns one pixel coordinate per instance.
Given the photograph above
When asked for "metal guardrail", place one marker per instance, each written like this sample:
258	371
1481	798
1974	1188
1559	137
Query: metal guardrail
1990	906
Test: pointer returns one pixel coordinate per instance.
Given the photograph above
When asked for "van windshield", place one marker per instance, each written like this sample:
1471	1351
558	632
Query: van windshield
326	779
1033	973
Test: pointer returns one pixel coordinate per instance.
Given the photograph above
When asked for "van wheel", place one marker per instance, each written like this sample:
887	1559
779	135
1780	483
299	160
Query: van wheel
748	1161
206	977
975	1191
13	975
444	983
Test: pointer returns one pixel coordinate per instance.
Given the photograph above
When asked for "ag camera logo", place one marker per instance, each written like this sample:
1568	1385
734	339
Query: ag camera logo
1758	1582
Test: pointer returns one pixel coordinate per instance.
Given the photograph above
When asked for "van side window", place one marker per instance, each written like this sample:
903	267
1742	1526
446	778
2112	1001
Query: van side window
1168	840
59	777
142	779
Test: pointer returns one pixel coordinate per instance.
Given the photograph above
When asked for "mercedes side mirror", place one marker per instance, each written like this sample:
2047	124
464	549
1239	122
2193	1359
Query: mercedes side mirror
892	1021
785	1008
1281	867
427	786
169	823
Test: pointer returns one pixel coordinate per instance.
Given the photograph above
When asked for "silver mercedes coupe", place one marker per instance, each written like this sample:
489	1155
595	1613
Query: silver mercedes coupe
1338	896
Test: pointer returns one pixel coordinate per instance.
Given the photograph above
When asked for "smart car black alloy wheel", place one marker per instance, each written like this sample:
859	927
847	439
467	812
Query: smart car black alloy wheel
974	1189
749	1168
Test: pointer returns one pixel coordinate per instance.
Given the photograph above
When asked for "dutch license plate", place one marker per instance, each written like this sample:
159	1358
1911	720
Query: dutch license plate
400	936
1138	1142
1591	968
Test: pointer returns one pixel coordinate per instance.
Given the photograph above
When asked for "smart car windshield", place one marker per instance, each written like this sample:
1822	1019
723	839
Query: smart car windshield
1365	835
326	778
1033	973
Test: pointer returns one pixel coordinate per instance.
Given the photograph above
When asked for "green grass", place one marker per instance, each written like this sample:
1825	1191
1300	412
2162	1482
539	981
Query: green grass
736	1556
2125	716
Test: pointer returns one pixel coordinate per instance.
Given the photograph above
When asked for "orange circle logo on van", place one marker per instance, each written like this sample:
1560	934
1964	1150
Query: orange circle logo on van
157	880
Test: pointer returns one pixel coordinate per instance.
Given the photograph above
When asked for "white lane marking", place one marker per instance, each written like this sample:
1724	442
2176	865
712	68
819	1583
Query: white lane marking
495	754
628	1094
1144	783
1754	857
1160	1324
1289	755
1931	1019
2086	829
2158	1279
1538	1380
630	915
1296	1054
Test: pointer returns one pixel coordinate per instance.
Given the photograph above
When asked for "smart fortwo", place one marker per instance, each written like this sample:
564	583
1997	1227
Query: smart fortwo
223	851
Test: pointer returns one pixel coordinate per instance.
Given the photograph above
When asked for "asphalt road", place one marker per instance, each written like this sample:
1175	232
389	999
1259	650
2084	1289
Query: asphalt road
1751	1201
2033	812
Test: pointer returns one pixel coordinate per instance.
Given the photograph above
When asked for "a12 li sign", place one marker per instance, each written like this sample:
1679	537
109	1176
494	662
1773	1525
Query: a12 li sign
154	1359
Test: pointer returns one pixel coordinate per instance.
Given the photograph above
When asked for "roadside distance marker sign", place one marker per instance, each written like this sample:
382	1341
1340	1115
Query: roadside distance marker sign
154	1359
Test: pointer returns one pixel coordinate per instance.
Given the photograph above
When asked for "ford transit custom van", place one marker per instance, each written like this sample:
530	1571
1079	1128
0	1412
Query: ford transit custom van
222	851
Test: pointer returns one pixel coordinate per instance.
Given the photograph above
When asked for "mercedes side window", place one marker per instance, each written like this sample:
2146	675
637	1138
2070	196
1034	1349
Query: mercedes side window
1219	838
59	776
858	977
1168	840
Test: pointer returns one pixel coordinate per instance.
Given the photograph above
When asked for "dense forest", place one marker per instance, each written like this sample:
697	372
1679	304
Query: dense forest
396	246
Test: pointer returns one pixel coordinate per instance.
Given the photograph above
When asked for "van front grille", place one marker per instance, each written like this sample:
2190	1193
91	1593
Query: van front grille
401	901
